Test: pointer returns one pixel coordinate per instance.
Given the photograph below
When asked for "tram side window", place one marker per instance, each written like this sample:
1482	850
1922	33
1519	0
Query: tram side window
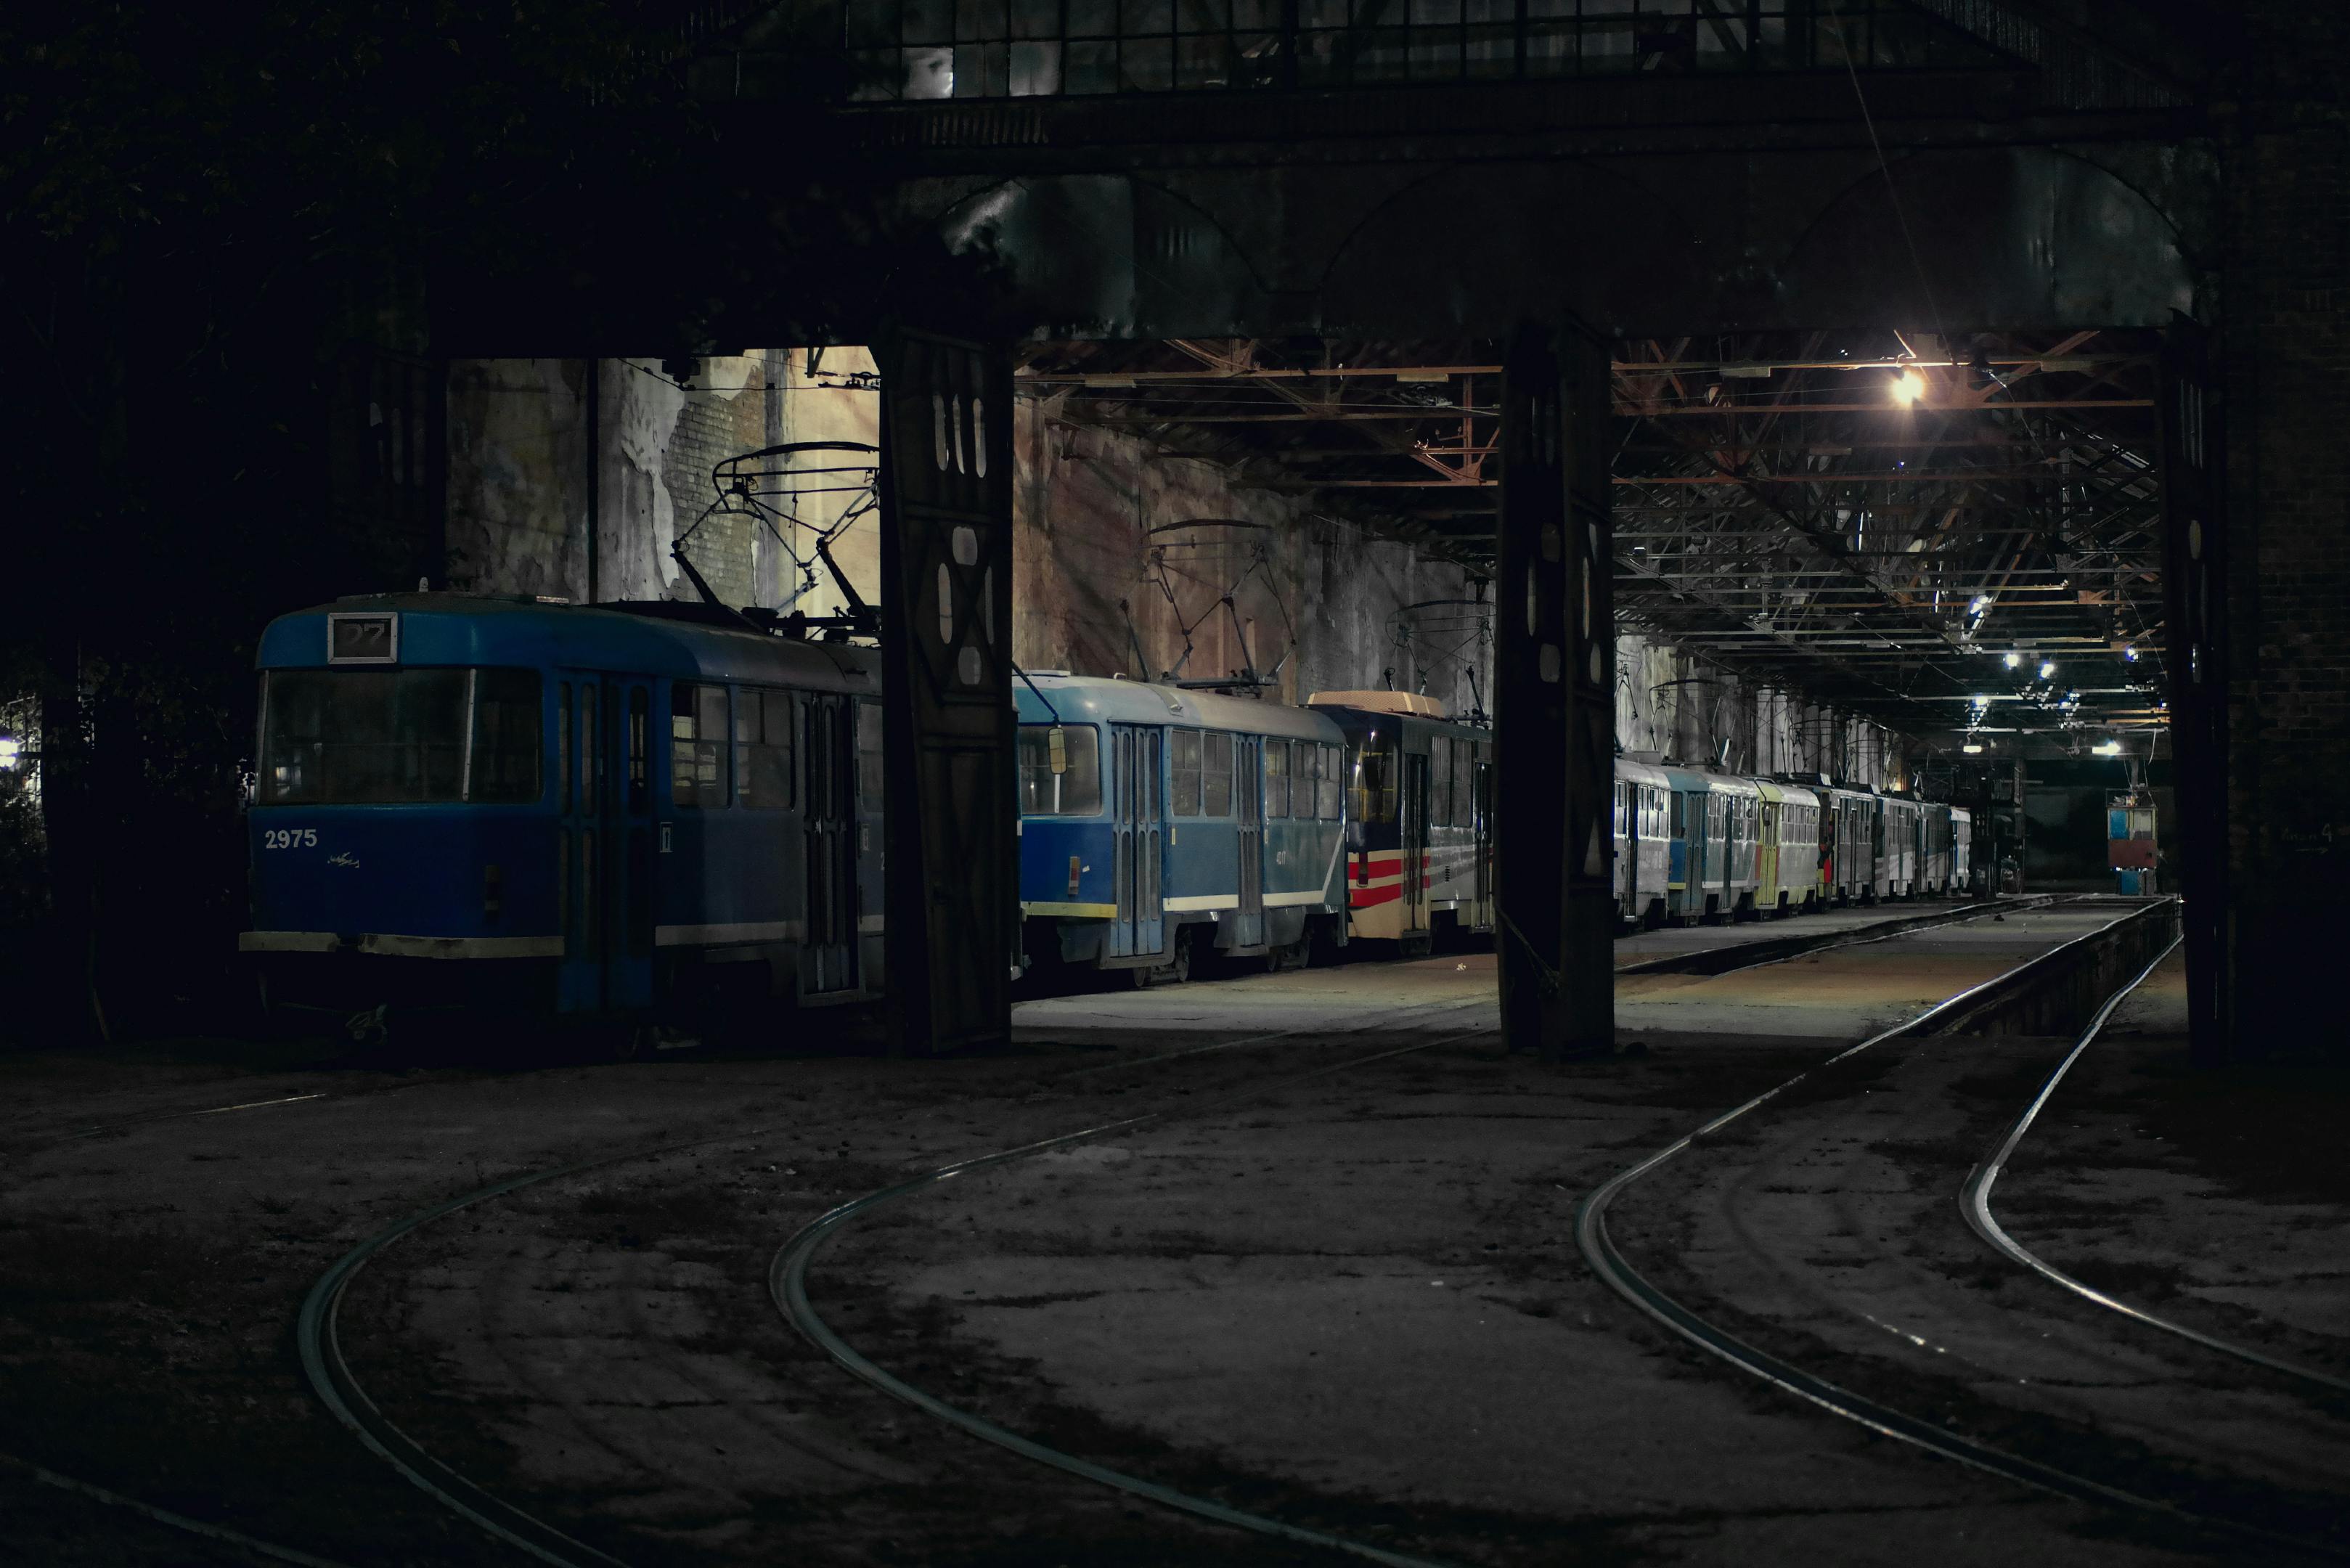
1331	794
697	728
1276	779
1305	775
868	755
1216	774
1465	809
763	748
1440	780
1183	764
379	737
1077	790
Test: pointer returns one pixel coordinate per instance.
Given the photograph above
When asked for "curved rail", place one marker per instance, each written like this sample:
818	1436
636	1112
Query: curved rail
788	1284
331	1379
219	1532
1600	1252
338	1389
1974	1202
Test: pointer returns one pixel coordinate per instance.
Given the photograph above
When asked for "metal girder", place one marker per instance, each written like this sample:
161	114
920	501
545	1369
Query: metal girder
1554	675
2196	537
951	853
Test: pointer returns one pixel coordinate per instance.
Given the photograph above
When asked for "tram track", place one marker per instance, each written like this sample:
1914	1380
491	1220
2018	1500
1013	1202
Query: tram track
1729	957
1736	1334
1974	1207
338	1386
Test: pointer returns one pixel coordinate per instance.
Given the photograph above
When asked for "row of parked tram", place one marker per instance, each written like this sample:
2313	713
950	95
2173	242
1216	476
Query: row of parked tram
627	812
1697	847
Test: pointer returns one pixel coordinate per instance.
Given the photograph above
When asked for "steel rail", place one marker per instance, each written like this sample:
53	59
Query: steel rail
1974	1203
1779	949
787	1286
332	1380
1599	1250
220	1532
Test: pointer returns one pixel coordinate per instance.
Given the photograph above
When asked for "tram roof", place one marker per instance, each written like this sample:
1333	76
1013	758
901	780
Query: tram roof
447	628
1099	699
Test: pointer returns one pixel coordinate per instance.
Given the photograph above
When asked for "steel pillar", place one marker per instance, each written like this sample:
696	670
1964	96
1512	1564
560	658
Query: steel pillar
2195	585
1554	697
951	855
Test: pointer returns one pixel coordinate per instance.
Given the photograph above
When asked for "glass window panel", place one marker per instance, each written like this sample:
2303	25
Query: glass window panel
980	19
1380	55
1036	69
1538	9
1607	46
1089	67
928	22
1319	58
1436	55
698	745
872	22
1093	18
1035	19
1184	766
929	73
1381	13
1256	59
762	750
1425	13
876	75
1076	791
563	746
1146	65
1203	15
1334	781
1203	62
1142	17
1256	15
1276	778
982	71
1493	51
1314	15
1215	774
1722	43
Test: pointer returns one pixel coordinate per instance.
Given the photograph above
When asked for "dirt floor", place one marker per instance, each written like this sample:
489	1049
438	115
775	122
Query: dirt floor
1338	1291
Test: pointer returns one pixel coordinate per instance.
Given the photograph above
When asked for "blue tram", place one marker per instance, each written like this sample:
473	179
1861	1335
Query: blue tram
1160	827
615	813
1420	807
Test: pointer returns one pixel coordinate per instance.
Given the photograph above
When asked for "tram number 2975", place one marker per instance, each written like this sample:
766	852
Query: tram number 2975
290	838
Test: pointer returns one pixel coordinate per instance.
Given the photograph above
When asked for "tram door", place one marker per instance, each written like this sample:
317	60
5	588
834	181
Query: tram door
629	834
604	863
1414	839
1480	795
1135	775
828	945
1248	809
579	982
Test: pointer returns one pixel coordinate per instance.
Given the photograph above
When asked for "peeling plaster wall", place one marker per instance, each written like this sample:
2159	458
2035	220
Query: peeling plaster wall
517	469
1671	703
1096	592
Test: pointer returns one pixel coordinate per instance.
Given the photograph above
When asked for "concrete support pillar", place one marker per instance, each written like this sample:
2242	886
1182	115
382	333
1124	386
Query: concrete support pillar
1554	697
951	853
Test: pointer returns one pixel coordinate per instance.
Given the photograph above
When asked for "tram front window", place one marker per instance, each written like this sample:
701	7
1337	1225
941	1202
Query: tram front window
384	737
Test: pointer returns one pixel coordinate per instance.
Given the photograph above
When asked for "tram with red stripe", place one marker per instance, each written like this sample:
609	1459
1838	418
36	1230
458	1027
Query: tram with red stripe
1420	856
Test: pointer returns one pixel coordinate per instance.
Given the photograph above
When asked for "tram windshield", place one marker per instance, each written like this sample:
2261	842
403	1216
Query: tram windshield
382	737
1073	792
1374	783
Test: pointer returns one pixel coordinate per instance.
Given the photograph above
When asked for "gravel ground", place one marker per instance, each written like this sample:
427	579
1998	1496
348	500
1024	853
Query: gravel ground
1352	1301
